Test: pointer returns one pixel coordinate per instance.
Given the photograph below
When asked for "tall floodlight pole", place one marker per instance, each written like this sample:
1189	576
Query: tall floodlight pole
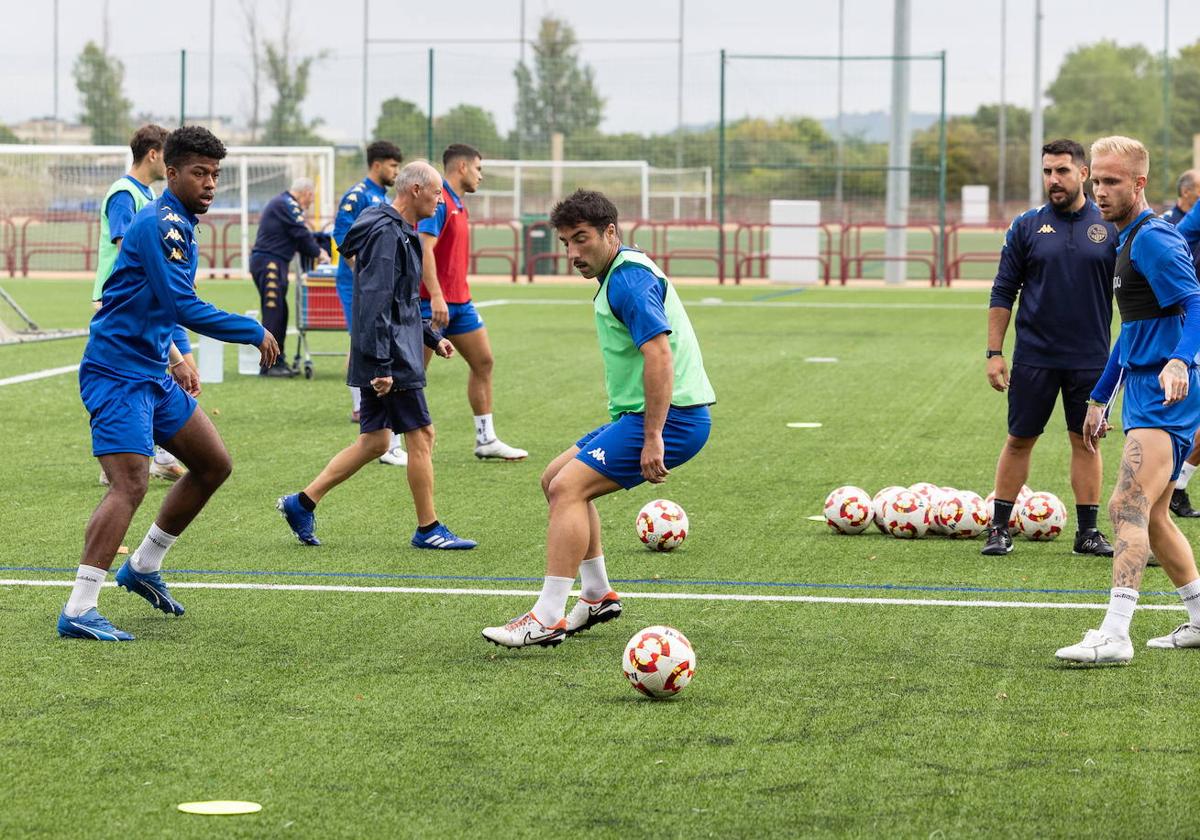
366	5
838	198
1002	118
1167	95
679	98
57	132
212	41
899	150
1035	122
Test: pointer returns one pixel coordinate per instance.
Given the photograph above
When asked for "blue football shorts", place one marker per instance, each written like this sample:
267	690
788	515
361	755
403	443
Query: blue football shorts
464	318
131	415
615	449
1143	409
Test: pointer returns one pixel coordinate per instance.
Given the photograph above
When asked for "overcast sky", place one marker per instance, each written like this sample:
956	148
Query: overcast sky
639	81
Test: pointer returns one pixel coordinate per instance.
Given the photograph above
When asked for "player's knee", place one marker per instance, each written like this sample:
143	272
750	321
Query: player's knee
216	470
561	491
129	487
1019	444
420	441
376	445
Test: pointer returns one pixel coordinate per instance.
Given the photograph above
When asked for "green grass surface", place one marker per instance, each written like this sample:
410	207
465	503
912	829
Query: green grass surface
382	714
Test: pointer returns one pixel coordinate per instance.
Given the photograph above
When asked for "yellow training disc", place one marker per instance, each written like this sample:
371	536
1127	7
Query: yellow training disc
220	808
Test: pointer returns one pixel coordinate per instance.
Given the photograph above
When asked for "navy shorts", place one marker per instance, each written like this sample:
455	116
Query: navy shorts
464	318
131	415
400	411
1033	391
615	449
1142	408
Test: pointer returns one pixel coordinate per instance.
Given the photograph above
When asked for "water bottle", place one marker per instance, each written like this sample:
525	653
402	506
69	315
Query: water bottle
248	356
212	359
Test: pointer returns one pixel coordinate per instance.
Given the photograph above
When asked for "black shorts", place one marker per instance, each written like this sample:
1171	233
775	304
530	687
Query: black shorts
1032	392
400	411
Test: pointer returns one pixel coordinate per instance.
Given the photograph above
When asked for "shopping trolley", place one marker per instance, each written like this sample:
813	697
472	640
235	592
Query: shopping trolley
317	309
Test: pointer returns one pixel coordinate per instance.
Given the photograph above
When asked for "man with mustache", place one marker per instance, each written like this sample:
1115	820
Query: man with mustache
1059	259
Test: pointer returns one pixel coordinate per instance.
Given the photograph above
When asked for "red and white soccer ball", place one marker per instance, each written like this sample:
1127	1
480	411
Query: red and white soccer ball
659	662
877	506
962	514
848	510
935	498
1020	500
662	525
906	514
1042	517
926	489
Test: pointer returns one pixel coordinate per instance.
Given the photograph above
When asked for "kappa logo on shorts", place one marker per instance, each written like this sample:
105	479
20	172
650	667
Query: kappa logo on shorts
1097	233
598	454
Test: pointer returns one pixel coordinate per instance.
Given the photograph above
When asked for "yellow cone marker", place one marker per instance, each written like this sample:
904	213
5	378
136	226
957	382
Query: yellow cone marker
220	807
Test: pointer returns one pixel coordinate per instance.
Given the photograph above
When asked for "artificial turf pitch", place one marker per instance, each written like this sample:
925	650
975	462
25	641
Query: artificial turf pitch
380	713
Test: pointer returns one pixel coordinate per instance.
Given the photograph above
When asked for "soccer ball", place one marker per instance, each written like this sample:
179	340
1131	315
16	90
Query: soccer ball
1020	500
848	510
1042	516
659	661
962	514
662	525
926	489
906	514
936	496
877	506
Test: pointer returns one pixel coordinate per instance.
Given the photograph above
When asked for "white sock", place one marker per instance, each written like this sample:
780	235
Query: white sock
484	433
552	605
149	555
355	398
86	592
1190	593
594	579
397	440
1185	474
1121	603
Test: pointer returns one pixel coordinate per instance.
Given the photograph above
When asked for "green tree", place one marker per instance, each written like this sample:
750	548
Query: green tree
403	123
286	125
468	124
100	78
558	94
7	136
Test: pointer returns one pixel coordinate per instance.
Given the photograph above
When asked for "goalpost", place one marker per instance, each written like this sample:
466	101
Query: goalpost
50	197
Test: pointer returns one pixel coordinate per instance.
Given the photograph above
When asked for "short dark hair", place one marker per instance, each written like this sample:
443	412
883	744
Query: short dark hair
459	150
383	150
1186	181
584	207
1063	146
145	140
191	141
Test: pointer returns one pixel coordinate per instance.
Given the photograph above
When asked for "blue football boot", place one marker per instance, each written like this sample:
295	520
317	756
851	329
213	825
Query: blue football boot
441	537
150	586
90	625
301	521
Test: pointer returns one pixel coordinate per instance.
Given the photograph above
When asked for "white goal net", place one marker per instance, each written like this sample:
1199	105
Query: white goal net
50	200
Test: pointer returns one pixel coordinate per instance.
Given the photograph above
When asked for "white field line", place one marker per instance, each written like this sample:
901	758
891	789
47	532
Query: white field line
650	596
38	374
753	304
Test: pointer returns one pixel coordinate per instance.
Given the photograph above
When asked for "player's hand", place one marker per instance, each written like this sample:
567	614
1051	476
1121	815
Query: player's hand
322	258
381	384
997	373
268	350
441	312
1094	426
444	348
654	469
1174	381
187	377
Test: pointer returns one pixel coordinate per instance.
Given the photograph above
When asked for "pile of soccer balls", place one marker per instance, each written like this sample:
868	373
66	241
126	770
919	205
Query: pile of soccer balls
924	508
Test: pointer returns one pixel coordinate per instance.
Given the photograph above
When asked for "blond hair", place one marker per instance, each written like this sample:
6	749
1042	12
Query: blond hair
1133	151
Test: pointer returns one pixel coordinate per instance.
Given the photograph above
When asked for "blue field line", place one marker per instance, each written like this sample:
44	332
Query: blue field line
866	587
778	294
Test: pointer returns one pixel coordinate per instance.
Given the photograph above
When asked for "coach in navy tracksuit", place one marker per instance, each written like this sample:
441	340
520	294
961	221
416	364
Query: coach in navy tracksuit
281	233
1059	259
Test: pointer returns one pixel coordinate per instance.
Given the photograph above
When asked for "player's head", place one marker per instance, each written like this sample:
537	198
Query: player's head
1120	166
383	162
586	222
147	147
303	190
418	190
1064	172
193	156
463	165
1188	188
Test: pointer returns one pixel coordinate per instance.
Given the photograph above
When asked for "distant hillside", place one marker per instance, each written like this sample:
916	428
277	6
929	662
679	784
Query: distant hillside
875	126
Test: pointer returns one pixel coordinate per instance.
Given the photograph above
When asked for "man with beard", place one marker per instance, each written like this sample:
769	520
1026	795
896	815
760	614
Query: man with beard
1059	258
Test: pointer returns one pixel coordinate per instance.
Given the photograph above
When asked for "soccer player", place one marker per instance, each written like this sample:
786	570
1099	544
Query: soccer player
1188	189
658	399
446	298
1059	258
1158	297
383	162
281	233
134	402
125	197
386	362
